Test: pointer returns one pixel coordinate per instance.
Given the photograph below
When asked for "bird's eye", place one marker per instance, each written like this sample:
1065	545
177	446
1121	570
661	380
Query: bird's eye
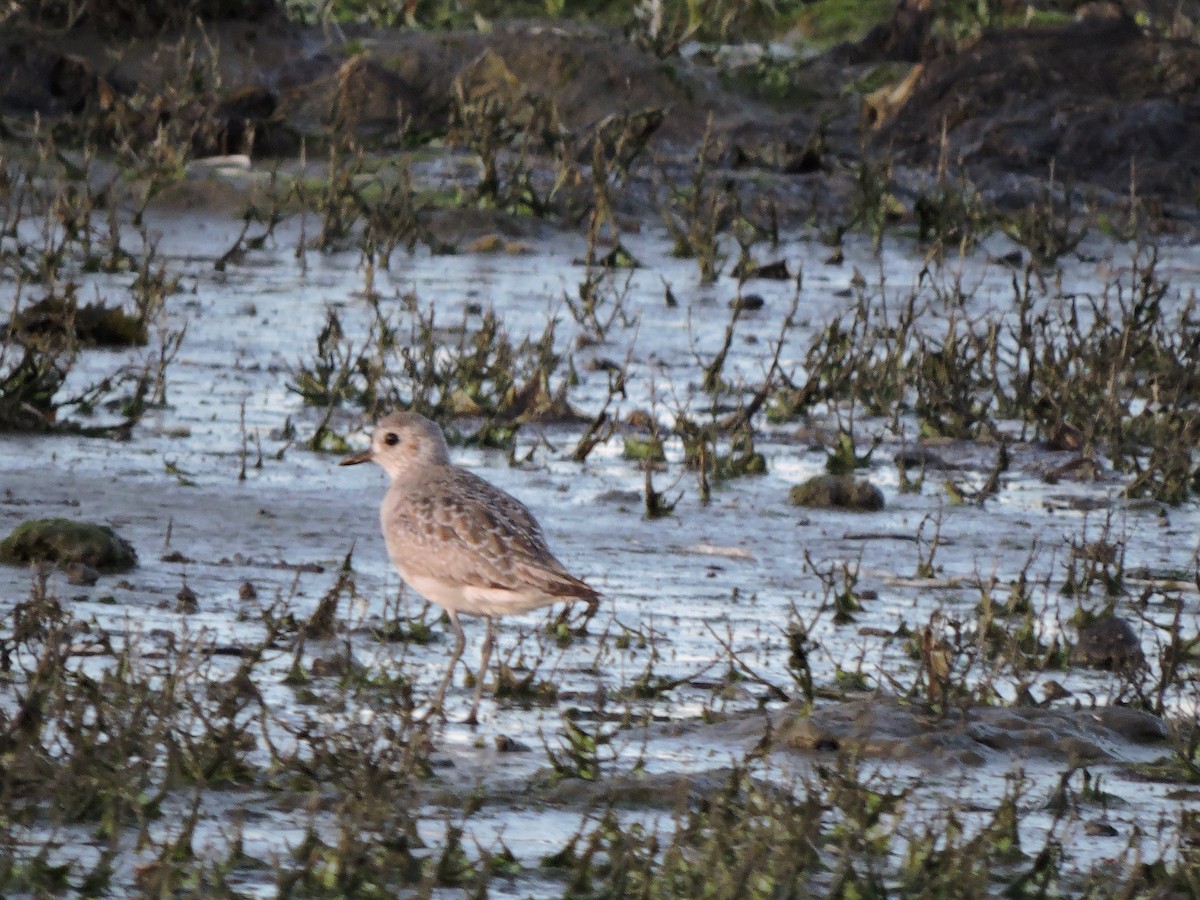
391	439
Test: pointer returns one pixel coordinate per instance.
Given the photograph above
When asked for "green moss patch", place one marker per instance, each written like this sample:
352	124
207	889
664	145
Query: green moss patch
63	542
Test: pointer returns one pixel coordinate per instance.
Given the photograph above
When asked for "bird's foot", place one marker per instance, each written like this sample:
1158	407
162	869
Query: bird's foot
582	630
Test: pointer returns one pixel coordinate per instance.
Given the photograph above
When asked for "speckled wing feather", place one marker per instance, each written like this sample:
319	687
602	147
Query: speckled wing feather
455	527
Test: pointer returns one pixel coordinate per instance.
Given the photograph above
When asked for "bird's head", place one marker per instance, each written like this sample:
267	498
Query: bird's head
403	442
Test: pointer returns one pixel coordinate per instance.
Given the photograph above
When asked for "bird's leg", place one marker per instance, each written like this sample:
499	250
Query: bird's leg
593	607
485	656
460	644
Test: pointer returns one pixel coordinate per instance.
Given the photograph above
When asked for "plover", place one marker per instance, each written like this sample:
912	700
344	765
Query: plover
459	541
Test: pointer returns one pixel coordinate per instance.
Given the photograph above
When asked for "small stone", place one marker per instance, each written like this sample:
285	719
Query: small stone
247	591
747	303
775	271
1052	690
837	492
186	601
82	574
488	243
506	744
919	458
1108	643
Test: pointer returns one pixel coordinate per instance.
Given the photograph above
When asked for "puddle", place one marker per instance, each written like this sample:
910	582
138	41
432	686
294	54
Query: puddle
726	576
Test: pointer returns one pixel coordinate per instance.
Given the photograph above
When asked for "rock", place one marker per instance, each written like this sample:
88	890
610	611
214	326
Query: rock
1052	690
488	243
506	744
1093	96
775	271
837	492
1108	643
186	601
63	542
747	303
919	458
891	728
1132	724
82	574
494	243
247	591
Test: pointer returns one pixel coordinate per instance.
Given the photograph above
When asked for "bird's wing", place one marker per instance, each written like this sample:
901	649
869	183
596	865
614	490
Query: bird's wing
460	529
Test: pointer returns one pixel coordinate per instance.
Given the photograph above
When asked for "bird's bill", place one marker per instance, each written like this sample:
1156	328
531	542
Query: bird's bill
355	458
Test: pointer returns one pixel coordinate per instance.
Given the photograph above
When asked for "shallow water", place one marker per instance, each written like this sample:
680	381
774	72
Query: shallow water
727	573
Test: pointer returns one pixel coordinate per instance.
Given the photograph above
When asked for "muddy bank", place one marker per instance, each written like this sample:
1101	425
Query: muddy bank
1092	98
1103	102
371	80
885	728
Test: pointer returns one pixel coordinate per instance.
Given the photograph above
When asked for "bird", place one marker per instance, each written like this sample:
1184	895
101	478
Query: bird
460	541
